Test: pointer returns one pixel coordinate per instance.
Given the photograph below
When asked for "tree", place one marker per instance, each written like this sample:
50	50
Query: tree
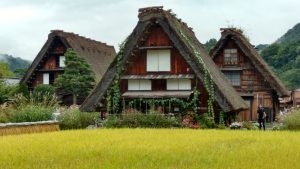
210	44
4	70
78	78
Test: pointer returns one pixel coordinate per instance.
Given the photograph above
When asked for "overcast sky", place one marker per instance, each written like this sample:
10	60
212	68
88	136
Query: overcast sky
25	24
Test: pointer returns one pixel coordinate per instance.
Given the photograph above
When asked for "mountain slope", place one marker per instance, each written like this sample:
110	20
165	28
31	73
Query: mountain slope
284	57
291	35
14	63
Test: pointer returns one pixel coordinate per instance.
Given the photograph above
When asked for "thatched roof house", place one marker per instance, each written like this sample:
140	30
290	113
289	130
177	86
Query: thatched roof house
182	39
237	36
248	73
49	62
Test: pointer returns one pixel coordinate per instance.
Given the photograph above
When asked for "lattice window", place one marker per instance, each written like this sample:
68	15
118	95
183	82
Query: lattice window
234	77
230	57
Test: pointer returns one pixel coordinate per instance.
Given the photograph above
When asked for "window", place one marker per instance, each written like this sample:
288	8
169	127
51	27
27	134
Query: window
230	56
179	84
62	61
139	84
158	60
46	78
234	78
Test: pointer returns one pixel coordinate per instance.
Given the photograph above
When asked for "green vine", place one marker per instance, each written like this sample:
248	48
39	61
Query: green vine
208	82
185	105
113	93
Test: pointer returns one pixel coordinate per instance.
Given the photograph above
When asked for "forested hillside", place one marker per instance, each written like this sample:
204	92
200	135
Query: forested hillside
283	56
15	64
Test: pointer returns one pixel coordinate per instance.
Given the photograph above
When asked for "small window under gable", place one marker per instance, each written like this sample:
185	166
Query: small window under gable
46	78
179	84
62	61
139	84
230	56
234	77
158	60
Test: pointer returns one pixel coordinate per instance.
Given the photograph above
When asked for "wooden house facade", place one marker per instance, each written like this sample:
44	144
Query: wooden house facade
162	59
49	63
248	74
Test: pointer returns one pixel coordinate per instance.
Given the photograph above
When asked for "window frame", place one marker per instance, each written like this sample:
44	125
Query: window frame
233	80
178	82
139	84
158	56
232	58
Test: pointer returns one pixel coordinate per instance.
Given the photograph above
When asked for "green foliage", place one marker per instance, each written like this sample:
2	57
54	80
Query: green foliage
4	70
292	121
32	113
247	125
78	78
113	93
15	63
74	119
291	35
284	57
208	82
42	90
20	72
206	121
139	120
7	92
38	99
210	44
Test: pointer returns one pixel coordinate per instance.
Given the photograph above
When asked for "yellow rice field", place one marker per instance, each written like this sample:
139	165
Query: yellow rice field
151	148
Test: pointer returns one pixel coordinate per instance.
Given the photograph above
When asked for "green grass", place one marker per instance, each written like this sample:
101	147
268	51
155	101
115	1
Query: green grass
151	148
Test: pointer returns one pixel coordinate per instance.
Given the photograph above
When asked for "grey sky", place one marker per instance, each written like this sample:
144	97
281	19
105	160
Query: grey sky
25	24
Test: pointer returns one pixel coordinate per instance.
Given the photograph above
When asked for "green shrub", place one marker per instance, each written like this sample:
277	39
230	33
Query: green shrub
32	113
247	125
74	119
206	121
292	121
88	118
5	113
137	119
43	89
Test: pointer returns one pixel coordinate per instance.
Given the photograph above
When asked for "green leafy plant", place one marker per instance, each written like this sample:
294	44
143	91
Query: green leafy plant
292	120
74	119
32	113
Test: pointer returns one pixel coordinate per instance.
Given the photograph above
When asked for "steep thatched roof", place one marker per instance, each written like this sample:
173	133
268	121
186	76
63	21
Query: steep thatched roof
258	62
189	47
99	55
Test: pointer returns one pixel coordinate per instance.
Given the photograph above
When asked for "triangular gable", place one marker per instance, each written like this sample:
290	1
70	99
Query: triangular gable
254	57
97	54
189	47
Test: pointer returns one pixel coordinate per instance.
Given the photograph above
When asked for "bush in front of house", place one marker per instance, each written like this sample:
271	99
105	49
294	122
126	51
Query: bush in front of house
140	120
31	113
75	119
291	121
205	121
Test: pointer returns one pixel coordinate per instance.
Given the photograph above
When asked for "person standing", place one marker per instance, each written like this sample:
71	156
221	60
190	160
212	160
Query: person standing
261	117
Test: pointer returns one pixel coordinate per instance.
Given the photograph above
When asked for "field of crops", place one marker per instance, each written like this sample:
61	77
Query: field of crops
151	148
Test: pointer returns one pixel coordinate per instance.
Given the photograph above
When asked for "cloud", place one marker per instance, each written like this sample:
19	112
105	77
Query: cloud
25	24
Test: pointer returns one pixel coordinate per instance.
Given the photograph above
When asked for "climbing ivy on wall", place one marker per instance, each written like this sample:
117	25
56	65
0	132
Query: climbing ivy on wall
208	82
113	93
184	104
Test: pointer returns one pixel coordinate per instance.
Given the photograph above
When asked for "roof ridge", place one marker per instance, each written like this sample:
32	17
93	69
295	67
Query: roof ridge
159	9
61	32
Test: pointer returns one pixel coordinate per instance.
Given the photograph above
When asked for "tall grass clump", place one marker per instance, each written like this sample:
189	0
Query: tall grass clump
75	119
35	107
291	121
32	113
